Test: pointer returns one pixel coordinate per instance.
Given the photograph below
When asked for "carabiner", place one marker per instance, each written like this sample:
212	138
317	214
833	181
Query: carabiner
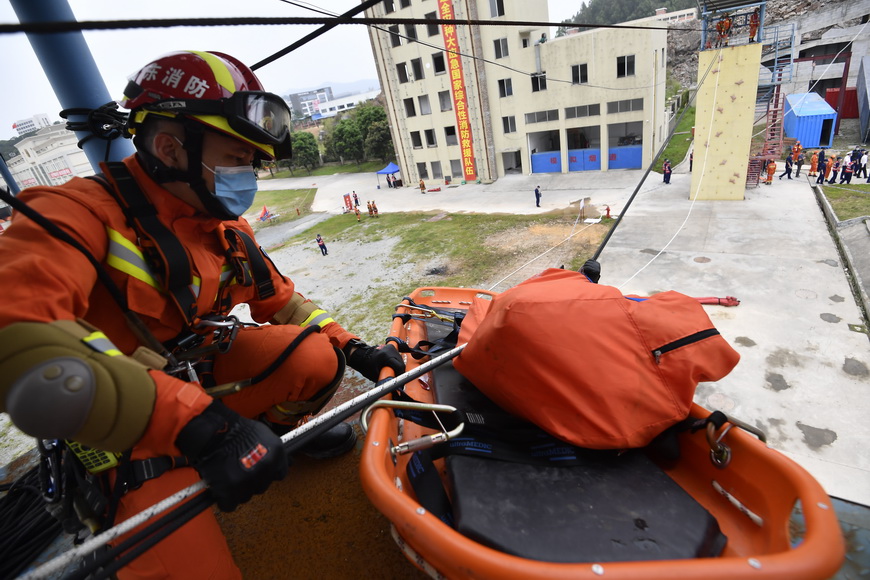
424	442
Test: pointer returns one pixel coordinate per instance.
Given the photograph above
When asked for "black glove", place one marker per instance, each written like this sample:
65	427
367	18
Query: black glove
237	457
369	360
592	270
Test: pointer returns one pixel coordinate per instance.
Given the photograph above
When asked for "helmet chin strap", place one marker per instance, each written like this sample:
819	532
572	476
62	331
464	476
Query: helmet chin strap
161	173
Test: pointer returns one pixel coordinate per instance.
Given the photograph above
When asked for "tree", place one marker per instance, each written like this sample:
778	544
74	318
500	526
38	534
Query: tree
365	114
379	143
348	141
618	11
305	152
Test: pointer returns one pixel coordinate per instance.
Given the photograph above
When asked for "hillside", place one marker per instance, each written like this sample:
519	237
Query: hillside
685	38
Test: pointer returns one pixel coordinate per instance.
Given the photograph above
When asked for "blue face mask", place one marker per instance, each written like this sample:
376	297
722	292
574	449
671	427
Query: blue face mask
234	187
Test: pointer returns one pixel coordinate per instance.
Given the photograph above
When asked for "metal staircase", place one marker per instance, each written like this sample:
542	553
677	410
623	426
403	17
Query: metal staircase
777	42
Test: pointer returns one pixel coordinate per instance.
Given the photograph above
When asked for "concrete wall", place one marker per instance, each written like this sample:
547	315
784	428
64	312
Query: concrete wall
721	149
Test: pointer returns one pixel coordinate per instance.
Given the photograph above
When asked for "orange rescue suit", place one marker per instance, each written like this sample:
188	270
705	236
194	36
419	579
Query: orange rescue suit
49	280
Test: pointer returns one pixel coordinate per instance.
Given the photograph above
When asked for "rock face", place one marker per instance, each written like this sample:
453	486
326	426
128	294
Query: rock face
685	38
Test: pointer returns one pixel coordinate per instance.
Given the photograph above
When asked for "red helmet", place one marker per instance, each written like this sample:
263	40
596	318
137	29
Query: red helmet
216	90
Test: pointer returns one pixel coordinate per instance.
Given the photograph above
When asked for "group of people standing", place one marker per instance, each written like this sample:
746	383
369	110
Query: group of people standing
825	169
370	205
391	181
828	169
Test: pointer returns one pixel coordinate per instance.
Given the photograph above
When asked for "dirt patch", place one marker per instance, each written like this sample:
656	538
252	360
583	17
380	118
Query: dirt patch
554	244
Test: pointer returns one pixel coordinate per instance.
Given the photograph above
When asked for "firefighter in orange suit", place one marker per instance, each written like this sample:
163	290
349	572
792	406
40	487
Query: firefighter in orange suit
753	24
771	169
117	325
814	165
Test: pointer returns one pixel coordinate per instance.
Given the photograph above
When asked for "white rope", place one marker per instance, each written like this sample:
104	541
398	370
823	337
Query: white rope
344	410
700	179
545	252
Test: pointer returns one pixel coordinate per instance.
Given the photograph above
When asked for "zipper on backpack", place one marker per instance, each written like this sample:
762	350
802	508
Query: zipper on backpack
685	341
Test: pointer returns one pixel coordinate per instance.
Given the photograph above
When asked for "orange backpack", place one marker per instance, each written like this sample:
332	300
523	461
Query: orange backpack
588	365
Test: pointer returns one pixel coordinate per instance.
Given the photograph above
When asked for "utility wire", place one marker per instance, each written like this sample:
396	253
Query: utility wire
75	26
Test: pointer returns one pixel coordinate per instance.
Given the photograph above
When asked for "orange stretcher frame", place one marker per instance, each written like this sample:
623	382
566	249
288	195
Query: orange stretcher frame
759	481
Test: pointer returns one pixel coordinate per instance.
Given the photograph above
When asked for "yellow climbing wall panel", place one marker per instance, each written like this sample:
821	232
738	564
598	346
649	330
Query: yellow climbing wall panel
724	114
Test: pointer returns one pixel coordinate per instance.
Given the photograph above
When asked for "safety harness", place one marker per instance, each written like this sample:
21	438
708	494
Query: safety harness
82	496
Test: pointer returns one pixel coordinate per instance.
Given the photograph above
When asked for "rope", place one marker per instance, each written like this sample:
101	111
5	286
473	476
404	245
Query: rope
661	149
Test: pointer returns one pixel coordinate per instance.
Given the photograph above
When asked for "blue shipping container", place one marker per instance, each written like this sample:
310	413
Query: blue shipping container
809	119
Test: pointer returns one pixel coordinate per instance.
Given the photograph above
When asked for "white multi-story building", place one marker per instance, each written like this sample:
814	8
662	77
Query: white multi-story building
334	107
34	123
478	102
307	103
48	157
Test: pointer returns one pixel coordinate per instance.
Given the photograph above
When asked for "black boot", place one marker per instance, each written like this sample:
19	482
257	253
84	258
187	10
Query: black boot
334	442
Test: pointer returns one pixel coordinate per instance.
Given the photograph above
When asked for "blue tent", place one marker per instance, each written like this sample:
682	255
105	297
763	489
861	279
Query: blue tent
388	170
391	168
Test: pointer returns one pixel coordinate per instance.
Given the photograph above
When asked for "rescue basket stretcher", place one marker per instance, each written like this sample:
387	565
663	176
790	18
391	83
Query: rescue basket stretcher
722	511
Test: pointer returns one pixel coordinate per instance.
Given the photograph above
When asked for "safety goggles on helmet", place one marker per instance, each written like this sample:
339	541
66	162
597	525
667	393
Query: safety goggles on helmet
256	115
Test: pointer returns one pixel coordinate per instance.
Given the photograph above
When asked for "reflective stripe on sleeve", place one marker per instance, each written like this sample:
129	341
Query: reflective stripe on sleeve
126	257
101	343
318	318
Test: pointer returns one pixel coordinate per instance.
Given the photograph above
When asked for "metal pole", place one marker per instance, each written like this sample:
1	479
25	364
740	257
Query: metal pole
7	176
71	70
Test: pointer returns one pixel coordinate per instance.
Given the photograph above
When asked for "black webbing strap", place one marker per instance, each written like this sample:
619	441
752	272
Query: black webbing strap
424	478
164	251
241	244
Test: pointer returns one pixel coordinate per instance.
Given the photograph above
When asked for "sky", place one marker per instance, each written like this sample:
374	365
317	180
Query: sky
341	55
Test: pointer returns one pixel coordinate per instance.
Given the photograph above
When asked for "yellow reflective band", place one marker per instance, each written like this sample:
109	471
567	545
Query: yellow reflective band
196	285
126	257
101	343
318	318
223	76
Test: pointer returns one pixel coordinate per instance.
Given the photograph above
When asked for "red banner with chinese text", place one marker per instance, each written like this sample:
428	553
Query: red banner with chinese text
457	86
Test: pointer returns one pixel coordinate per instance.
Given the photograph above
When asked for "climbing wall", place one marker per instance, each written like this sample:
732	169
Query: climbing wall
724	114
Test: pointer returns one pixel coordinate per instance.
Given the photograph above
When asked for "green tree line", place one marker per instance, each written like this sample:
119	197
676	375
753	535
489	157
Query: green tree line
616	11
361	134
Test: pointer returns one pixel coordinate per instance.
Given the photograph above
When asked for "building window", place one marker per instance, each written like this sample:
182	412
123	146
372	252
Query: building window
395	39
402	70
496	8
404	3
505	88
416	141
625	66
425	109
539	82
417	67
510	124
389	6
411	32
421	171
410	111
579	75
542	116
445	100
436	170
431	29
625	106
450	136
430	138
438	63
456	167
525	41
501	47
582	111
